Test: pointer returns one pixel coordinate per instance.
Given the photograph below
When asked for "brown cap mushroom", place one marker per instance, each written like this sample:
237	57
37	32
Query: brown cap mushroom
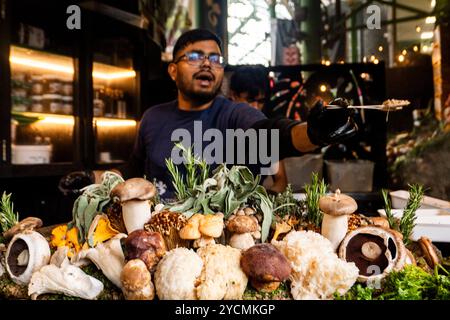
136	281
429	252
134	189
29	223
336	209
191	230
146	246
337	204
168	224
242	224
265	266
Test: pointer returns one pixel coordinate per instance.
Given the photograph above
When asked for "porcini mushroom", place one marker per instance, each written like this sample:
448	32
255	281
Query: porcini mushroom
239	225
136	281
336	209
265	266
145	245
134	195
374	250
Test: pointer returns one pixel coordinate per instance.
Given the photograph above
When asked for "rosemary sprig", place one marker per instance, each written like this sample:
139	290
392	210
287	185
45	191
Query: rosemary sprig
177	180
7	216
393	224
408	220
313	193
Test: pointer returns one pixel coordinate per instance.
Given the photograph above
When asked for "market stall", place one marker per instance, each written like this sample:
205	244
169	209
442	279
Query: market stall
224	237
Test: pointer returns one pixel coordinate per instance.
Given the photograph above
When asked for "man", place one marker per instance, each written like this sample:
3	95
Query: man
197	70
248	84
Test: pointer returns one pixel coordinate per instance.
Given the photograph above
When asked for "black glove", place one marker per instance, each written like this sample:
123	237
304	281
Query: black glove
327	126
73	182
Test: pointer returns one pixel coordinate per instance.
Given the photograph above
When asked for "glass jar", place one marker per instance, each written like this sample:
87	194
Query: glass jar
67	88
53	84
52	103
37	85
99	108
67	105
36	104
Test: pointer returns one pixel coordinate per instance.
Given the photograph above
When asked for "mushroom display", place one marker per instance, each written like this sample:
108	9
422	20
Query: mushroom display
27	252
168	224
27	224
136	281
145	245
265	266
429	252
374	250
203	229
134	195
336	209
241	228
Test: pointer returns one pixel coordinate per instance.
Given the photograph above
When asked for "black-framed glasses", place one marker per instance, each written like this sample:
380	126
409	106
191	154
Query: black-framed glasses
196	58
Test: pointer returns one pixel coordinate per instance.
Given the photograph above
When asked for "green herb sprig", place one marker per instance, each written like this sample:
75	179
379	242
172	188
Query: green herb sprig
314	191
7	216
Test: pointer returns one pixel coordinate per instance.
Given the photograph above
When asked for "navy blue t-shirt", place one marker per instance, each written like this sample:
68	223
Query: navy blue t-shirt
154	141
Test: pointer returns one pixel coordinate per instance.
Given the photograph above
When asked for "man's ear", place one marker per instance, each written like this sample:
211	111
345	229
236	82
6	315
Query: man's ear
172	70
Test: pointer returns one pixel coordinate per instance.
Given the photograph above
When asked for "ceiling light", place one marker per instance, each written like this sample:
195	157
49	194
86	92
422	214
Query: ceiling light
426	35
430	20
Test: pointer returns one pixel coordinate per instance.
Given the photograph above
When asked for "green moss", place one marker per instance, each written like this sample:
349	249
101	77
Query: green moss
281	293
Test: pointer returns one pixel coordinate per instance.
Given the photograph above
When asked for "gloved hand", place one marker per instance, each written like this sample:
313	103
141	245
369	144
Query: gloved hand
73	182
327	126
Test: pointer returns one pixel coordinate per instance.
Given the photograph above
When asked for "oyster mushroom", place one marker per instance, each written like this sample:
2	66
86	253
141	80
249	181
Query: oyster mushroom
29	223
145	245
240	225
134	195
336	209
265	266
27	252
136	281
375	251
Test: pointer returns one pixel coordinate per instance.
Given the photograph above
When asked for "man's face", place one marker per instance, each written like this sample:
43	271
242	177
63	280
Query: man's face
256	102
198	83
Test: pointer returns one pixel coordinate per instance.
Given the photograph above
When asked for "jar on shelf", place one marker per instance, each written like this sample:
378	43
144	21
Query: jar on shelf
67	105
67	88
37	85
53	84
36	104
52	103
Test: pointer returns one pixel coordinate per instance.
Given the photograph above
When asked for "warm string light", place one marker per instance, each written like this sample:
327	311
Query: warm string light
69	120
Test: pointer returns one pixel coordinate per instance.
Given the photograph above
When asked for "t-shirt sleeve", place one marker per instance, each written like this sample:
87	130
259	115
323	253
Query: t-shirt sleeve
244	116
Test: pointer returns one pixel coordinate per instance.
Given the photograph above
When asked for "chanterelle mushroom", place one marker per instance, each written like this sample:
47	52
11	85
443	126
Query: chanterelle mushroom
336	209
134	195
265	266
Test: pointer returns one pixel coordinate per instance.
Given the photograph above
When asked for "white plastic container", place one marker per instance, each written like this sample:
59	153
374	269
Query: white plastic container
431	223
31	154
400	199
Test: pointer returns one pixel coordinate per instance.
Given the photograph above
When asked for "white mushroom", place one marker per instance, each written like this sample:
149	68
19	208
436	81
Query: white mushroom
242	241
64	278
136	281
336	209
242	228
134	194
27	252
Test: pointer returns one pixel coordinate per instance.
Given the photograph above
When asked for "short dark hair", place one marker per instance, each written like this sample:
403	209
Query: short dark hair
249	79
192	36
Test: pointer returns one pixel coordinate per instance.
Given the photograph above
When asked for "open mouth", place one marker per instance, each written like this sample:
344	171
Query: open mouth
205	78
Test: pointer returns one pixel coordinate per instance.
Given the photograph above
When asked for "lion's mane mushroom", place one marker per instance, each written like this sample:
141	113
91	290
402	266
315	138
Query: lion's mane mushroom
136	281
240	225
147	246
168	224
265	266
375	251
176	275
27	224
336	209
27	253
134	195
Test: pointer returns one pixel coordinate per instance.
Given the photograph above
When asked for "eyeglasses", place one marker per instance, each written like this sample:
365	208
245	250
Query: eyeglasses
197	58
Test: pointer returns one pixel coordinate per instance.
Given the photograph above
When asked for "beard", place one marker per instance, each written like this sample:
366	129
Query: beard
198	96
